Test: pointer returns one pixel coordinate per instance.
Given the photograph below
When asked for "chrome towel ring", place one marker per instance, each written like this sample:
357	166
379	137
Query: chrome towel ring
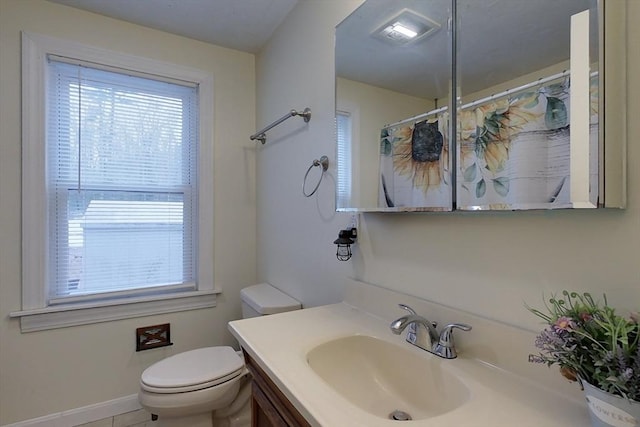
324	163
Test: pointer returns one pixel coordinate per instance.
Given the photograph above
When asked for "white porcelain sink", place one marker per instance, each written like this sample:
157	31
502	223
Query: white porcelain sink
381	377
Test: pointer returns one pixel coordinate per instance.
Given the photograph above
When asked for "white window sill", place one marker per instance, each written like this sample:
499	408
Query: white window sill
104	311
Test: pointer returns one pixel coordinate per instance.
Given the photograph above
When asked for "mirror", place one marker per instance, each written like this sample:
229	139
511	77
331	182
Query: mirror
512	148
522	86
385	82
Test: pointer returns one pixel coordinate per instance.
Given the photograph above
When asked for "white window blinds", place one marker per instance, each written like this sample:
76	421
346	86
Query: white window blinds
344	166
122	190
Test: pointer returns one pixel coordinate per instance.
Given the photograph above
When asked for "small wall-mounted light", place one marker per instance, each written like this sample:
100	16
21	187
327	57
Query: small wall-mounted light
344	242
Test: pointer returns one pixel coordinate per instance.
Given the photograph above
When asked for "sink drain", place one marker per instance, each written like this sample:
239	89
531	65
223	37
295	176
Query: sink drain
398	415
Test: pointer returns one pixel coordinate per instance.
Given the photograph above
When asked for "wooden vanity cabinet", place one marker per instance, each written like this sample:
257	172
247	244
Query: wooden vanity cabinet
269	407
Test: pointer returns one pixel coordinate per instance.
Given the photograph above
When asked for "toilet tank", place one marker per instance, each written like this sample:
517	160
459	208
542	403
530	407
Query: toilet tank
263	299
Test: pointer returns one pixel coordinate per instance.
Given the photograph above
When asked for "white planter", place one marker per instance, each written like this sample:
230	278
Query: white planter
608	410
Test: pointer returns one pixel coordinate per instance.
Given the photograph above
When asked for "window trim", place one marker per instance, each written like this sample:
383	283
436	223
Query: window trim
35	314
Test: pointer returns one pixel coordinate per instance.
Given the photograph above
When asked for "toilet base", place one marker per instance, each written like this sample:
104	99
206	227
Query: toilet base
238	414
235	414
239	419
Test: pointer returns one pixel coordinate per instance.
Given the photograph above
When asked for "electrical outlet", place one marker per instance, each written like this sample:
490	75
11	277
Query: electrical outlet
352	227
354	233
354	221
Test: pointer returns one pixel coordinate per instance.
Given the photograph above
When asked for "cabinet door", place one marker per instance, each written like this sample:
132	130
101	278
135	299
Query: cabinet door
263	413
269	407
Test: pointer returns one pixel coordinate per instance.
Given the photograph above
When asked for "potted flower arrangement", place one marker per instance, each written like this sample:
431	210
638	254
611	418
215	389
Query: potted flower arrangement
595	346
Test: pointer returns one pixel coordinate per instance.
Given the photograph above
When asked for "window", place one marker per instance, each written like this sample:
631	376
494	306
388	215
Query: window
114	149
343	155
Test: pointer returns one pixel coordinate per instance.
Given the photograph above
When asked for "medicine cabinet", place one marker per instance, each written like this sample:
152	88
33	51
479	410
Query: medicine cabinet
448	105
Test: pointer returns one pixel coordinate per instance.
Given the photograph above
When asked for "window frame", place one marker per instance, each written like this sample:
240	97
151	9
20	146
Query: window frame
35	313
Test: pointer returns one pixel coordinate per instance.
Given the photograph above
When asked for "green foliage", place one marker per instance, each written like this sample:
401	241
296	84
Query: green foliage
556	114
501	185
386	142
589	339
481	188
470	173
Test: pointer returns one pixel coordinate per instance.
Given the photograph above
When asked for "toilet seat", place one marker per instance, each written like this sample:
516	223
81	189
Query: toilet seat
192	370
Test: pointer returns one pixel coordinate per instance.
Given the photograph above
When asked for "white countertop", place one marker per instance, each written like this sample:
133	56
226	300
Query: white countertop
280	343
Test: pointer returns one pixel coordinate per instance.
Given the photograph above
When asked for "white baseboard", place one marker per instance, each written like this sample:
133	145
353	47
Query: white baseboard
86	414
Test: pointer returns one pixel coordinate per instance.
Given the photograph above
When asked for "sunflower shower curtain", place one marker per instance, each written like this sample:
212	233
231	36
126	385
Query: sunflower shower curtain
414	159
514	152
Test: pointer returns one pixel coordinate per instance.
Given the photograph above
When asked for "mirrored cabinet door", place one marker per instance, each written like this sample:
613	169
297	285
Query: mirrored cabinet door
527	117
393	79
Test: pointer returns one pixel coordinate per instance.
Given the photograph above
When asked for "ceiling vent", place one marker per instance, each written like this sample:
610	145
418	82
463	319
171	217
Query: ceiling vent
405	27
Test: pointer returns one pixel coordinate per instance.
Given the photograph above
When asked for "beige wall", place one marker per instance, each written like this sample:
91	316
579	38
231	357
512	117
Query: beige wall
51	371
488	263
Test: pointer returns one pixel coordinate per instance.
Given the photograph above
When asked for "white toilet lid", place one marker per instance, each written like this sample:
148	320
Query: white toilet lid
192	370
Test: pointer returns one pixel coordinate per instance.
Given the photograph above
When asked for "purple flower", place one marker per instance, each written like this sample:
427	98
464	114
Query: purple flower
536	359
565	323
627	374
549	340
608	356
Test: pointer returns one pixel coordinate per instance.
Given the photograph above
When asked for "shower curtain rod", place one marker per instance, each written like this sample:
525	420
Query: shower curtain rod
540	81
418	117
261	134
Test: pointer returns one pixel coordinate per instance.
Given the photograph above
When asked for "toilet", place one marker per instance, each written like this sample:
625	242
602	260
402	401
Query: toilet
209	387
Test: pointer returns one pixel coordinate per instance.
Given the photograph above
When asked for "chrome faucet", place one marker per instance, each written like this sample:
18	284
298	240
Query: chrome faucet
423	333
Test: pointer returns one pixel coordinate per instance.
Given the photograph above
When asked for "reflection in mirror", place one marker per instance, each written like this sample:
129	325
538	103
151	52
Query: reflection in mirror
393	134
527	122
529	85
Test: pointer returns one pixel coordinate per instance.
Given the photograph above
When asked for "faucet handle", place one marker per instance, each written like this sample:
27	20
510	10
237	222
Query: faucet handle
412	327
411	332
462	326
445	347
406	307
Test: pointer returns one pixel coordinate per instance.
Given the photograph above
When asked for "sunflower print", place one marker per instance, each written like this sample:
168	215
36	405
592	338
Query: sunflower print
486	133
419	151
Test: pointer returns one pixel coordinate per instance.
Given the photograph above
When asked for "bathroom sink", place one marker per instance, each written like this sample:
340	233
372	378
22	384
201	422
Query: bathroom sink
387	380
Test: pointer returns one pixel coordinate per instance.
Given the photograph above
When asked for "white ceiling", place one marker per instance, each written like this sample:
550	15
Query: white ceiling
244	25
500	39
